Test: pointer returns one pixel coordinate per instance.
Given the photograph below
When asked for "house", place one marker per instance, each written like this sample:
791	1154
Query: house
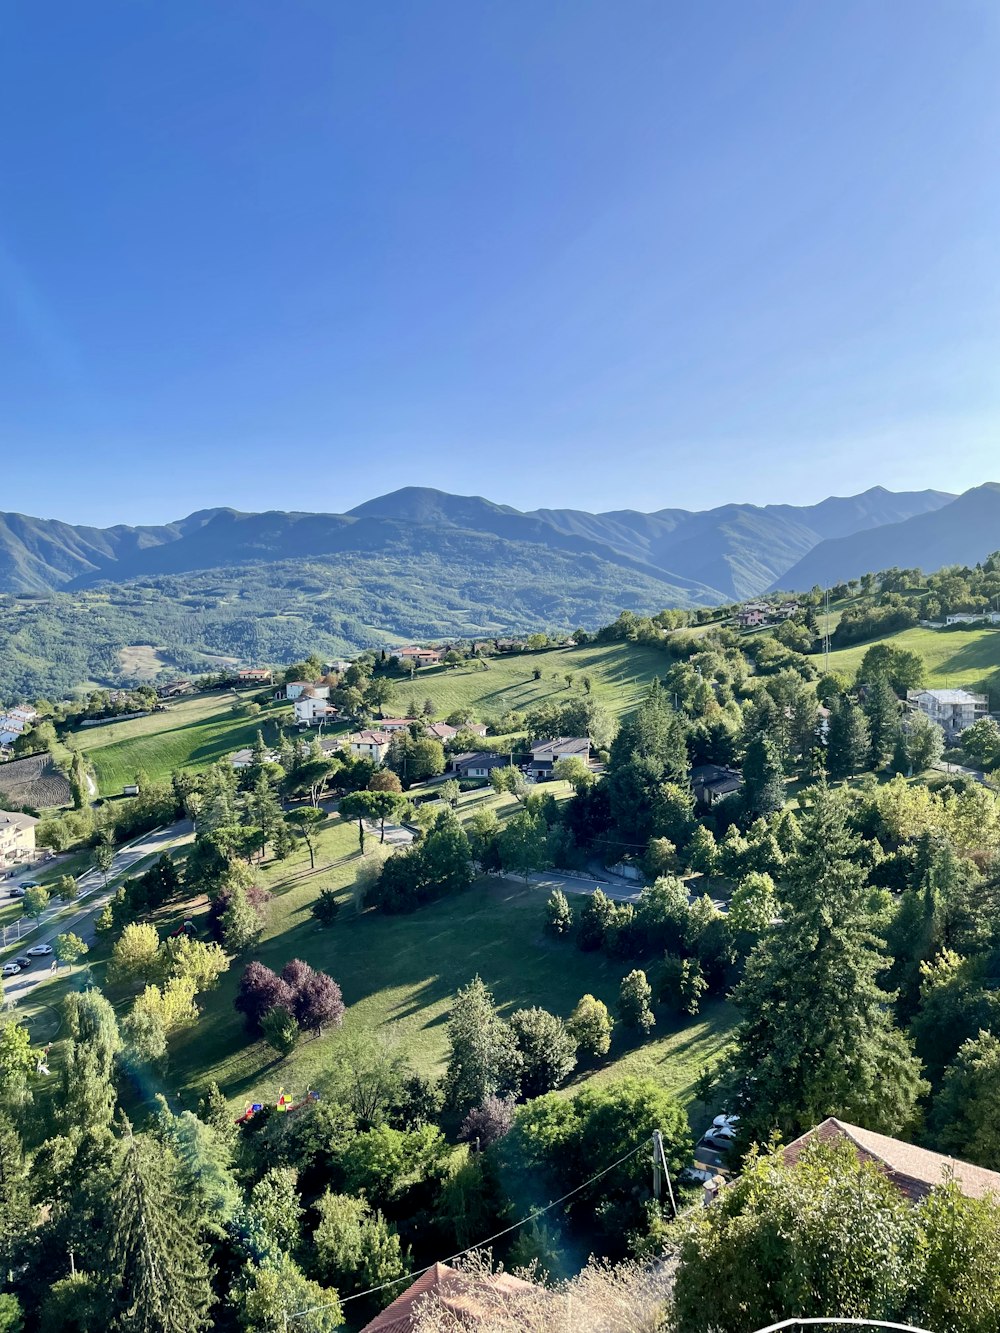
470	1299
253	676
419	657
369	744
477	765
174	689
713	783
914	1171
954	710
973	618
752	616
441	731
391	724
337	667
312	710
11	728
546	754
244	758
17	837
296	688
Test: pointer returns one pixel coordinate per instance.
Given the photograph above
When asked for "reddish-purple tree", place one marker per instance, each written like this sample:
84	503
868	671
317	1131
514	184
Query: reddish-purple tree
260	991
488	1122
318	999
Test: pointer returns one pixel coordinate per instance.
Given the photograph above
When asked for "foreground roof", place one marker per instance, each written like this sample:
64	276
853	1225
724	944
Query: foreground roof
914	1171
456	1291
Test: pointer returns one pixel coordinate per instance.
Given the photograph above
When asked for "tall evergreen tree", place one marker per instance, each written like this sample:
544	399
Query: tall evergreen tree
881	710
817	1036
484	1059
848	744
763	777
157	1261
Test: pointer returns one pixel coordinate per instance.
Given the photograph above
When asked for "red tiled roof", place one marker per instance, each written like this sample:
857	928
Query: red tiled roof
454	1290
914	1171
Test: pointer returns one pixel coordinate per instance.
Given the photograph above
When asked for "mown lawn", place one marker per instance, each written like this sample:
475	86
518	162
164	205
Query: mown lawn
399	976
960	659
194	733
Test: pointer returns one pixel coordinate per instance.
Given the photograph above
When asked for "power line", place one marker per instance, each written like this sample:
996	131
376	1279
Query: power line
408	1277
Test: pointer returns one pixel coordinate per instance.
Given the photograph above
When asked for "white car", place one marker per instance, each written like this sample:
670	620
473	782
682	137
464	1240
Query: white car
10	969
721	1121
39	951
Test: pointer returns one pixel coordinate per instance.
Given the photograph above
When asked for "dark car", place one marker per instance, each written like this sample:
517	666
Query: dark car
22	960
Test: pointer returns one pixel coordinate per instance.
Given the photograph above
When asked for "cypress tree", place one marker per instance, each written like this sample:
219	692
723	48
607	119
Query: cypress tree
157	1259
882	711
763	777
848	746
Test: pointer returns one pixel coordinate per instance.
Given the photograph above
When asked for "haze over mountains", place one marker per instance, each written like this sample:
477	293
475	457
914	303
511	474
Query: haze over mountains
673	556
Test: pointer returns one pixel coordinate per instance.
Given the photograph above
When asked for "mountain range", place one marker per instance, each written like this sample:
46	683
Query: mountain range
686	557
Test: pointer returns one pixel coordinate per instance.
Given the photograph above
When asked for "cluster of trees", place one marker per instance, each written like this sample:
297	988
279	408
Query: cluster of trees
281	1007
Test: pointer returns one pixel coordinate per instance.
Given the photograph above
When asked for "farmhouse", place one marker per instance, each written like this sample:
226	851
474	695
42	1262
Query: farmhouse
174	689
391	724
311	710
914	1171
441	731
478	765
954	710
369	744
17	837
419	657
973	618
253	676
546	754
712	783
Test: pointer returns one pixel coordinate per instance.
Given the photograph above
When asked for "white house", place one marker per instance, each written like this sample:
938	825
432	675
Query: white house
419	657
17	837
311	710
954	710
369	744
296	688
391	724
14	723
973	618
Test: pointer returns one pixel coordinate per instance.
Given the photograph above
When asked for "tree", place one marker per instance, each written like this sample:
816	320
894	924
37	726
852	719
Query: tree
306	821
591	1025
904	670
763	777
241	923
881	708
548	1050
635	998
843	1055
360	805
88	1073
355	1247
35	901
489	1123
924	741
702	851
848	743
558	913
965	1115
260	991
203	964
173	1004
595	918
573	770
280	1030
269	1294
317	999
67	888
383	805
326	908
682	983
69	948
145	1033
522	843
754	904
104	856
158	1261
483	1058
981	743
136	955
384	779
509	781
17	1063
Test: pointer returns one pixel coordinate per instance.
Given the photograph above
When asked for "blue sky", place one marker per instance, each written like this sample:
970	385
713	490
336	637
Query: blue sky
606	255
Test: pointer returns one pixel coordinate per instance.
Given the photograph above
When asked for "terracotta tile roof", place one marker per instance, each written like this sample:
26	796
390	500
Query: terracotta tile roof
454	1290
915	1171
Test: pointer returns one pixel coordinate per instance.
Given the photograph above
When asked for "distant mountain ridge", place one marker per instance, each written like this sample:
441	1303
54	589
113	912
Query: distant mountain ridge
690	557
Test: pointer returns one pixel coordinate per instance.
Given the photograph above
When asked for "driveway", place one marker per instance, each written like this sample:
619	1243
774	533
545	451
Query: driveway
79	916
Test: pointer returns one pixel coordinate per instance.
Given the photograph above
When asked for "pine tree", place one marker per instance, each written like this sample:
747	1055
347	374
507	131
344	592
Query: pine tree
15	1204
484	1059
817	1036
157	1260
882	711
848	744
763	777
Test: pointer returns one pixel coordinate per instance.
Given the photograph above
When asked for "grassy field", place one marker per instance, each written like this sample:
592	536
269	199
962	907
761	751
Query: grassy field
197	732
193	733
619	674
960	659
399	976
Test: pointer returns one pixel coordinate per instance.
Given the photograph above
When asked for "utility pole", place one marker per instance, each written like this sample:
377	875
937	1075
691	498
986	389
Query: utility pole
660	1161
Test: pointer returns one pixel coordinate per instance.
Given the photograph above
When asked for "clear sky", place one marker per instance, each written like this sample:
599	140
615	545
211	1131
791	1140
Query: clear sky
617	254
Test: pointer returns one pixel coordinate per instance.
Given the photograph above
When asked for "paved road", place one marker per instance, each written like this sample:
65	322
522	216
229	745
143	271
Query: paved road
93	896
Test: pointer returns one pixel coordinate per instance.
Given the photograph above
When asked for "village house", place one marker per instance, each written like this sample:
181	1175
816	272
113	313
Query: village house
312	710
913	1171
546	754
15	722
337	667
244	758
395	723
253	676
296	688
752	616
470	1301
477	765
712	783
442	731
369	744
418	657
973	618
174	689
17	838
953	710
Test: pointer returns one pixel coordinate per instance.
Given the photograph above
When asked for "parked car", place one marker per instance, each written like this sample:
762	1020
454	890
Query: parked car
30	884
720	1139
10	969
721	1121
22	960
40	951
16	892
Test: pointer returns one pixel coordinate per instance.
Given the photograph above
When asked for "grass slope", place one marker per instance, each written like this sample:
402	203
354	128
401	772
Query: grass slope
959	659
